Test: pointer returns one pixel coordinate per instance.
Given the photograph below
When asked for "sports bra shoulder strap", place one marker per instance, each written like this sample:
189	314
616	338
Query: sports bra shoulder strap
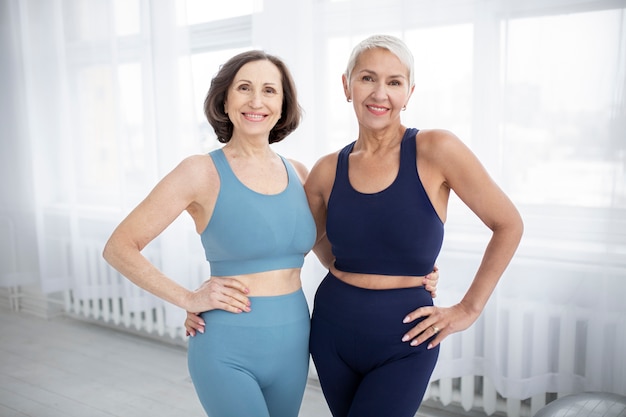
408	149
222	165
291	170
342	159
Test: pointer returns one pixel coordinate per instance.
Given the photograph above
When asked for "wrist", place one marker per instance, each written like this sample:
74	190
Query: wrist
187	300
470	308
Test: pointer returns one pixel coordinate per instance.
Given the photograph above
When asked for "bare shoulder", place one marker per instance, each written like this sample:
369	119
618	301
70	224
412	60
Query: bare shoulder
197	168
320	182
198	163
326	163
300	168
441	146
431	139
324	169
192	178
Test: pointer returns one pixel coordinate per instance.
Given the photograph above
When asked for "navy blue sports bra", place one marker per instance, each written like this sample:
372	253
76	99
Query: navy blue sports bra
392	232
251	232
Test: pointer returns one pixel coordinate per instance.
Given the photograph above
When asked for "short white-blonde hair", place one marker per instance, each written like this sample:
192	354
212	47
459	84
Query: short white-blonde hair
391	43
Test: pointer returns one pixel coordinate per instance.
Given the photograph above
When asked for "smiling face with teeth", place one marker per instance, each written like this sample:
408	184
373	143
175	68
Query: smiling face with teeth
379	87
254	100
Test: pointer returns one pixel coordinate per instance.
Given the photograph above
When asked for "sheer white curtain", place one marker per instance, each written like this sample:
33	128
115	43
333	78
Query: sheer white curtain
18	260
109	110
107	97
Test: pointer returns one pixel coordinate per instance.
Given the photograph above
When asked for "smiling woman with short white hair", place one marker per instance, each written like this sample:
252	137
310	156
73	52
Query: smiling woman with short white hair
380	205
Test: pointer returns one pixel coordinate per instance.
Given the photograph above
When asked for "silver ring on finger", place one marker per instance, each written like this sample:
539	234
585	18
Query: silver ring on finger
435	329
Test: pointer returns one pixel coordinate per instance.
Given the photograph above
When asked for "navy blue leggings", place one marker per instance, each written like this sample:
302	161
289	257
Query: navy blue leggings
253	364
364	367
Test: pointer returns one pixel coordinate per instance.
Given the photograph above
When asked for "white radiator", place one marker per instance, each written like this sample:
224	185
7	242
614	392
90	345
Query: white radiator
476	394
108	298
580	343
111	299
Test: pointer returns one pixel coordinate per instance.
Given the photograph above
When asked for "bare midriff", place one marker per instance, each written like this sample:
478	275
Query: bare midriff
377	282
269	283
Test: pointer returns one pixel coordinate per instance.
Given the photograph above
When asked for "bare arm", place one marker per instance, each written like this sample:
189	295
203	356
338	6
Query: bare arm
175	193
312	181
471	182
317	187
456	168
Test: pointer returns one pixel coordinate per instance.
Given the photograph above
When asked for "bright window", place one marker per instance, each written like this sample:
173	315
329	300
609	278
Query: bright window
561	120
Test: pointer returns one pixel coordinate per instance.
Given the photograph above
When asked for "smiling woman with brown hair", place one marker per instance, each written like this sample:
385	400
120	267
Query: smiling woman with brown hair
249	207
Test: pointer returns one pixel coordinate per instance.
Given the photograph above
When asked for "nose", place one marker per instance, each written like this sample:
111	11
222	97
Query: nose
256	100
380	91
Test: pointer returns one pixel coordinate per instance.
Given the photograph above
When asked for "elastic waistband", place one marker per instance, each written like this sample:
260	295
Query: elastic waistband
355	306
265	311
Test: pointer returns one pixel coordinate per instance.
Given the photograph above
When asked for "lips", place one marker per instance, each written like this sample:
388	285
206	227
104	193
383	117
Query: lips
377	109
255	117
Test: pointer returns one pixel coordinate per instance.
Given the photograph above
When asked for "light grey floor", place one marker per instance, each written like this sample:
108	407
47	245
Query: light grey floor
64	367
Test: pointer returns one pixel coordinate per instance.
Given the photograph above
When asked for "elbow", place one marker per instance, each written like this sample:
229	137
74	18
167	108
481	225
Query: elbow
518	226
119	250
112	250
510	228
107	251
514	230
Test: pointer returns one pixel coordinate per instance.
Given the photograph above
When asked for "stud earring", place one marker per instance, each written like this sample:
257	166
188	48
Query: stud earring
349	100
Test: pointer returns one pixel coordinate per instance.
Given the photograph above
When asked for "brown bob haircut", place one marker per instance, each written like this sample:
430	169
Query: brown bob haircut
216	97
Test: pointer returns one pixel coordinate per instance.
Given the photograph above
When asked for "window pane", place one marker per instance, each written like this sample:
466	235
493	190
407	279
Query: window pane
94	141
131	136
204	66
443	79
200	11
110	140
340	114
90	20
126	17
562	91
79	21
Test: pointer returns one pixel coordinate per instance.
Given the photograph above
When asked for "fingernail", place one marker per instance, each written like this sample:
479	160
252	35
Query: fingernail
405	338
201	331
414	343
430	346
406	319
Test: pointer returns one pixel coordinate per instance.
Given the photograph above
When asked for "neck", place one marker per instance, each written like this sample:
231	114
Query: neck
379	140
249	147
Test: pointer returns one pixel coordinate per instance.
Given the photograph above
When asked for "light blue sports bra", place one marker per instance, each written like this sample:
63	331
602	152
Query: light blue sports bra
251	232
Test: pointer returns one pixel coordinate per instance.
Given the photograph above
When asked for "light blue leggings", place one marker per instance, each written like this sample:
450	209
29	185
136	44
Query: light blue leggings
253	364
